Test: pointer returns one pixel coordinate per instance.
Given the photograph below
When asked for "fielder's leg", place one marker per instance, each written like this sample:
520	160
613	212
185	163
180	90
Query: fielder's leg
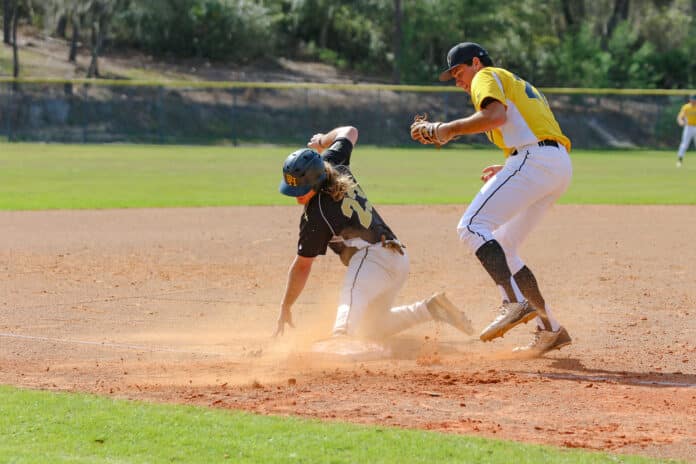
521	192
550	334
517	186
688	133
502	198
511	235
515	310
530	289
493	260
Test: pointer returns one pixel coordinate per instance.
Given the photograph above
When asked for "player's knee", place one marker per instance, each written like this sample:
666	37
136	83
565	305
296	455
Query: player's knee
474	236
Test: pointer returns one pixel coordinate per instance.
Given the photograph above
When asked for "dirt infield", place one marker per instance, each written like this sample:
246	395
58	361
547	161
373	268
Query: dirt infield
178	305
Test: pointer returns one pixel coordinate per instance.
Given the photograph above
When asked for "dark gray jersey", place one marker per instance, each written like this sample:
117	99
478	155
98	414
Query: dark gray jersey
352	217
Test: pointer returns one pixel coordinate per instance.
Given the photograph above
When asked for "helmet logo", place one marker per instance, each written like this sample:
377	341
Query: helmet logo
290	180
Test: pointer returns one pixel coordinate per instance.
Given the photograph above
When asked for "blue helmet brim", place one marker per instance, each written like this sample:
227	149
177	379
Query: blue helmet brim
291	191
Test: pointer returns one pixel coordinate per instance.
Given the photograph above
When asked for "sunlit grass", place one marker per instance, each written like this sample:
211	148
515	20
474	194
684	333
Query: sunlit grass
47	176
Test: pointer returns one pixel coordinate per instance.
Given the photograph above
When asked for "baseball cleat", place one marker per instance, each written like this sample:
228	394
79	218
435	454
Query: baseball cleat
511	314
442	309
679	163
545	341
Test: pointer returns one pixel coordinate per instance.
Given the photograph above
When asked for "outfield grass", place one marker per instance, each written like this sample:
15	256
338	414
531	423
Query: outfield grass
41	176
40	427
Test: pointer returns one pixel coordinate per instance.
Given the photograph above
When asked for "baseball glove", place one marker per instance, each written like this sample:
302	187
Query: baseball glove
426	132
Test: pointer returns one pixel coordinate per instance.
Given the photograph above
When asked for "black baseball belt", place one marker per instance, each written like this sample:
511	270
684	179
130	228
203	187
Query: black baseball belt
542	143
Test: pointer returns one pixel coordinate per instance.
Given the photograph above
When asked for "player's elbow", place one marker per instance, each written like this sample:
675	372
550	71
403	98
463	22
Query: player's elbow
494	115
498	116
302	264
348	132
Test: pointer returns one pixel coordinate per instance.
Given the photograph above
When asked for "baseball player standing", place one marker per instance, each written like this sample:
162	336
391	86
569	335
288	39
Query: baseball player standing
338	215
687	119
516	117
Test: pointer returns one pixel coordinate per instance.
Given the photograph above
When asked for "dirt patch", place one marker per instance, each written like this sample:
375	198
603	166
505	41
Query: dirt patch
178	305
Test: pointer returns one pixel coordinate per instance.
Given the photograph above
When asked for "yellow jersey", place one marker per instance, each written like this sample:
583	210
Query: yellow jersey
688	111
529	118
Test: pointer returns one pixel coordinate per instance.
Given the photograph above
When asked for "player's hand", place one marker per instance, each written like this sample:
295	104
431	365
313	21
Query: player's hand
490	171
315	142
284	318
426	132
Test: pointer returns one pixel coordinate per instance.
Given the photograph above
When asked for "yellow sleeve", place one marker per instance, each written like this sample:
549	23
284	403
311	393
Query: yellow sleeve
682	112
485	85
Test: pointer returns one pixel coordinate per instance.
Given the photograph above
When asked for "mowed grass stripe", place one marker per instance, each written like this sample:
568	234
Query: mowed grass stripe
45	176
40	427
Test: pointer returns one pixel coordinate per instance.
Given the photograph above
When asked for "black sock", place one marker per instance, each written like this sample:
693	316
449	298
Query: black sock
492	258
529	287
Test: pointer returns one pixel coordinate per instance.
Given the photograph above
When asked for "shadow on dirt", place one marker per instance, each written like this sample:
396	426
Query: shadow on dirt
649	379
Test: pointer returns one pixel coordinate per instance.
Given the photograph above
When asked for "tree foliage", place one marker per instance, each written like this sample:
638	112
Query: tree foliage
238	30
616	43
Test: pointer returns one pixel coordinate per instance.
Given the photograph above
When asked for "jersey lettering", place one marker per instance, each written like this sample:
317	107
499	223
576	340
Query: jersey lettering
350	205
531	91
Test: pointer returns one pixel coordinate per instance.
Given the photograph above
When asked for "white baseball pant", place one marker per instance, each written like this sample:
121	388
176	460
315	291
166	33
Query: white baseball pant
688	134
513	202
374	277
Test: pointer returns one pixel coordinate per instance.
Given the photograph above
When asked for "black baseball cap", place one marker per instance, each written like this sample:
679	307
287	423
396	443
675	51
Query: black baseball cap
461	53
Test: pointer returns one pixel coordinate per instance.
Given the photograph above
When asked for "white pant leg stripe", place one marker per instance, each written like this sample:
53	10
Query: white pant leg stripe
355	279
526	155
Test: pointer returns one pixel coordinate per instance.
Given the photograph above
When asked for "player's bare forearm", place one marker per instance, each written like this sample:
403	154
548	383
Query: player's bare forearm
321	141
488	118
297	278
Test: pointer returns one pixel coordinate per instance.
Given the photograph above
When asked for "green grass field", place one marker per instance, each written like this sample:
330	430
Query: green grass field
39	427
40	176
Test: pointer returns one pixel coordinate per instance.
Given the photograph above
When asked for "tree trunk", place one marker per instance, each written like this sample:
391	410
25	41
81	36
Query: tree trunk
396	41
15	52
98	28
72	57
93	70
7	21
619	14
573	12
324	31
62	26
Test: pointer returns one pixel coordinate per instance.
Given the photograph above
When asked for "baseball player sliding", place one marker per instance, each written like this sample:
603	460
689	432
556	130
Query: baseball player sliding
687	119
338	215
516	117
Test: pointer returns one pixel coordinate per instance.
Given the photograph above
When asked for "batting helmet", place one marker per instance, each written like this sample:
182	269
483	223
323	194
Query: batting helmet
303	171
